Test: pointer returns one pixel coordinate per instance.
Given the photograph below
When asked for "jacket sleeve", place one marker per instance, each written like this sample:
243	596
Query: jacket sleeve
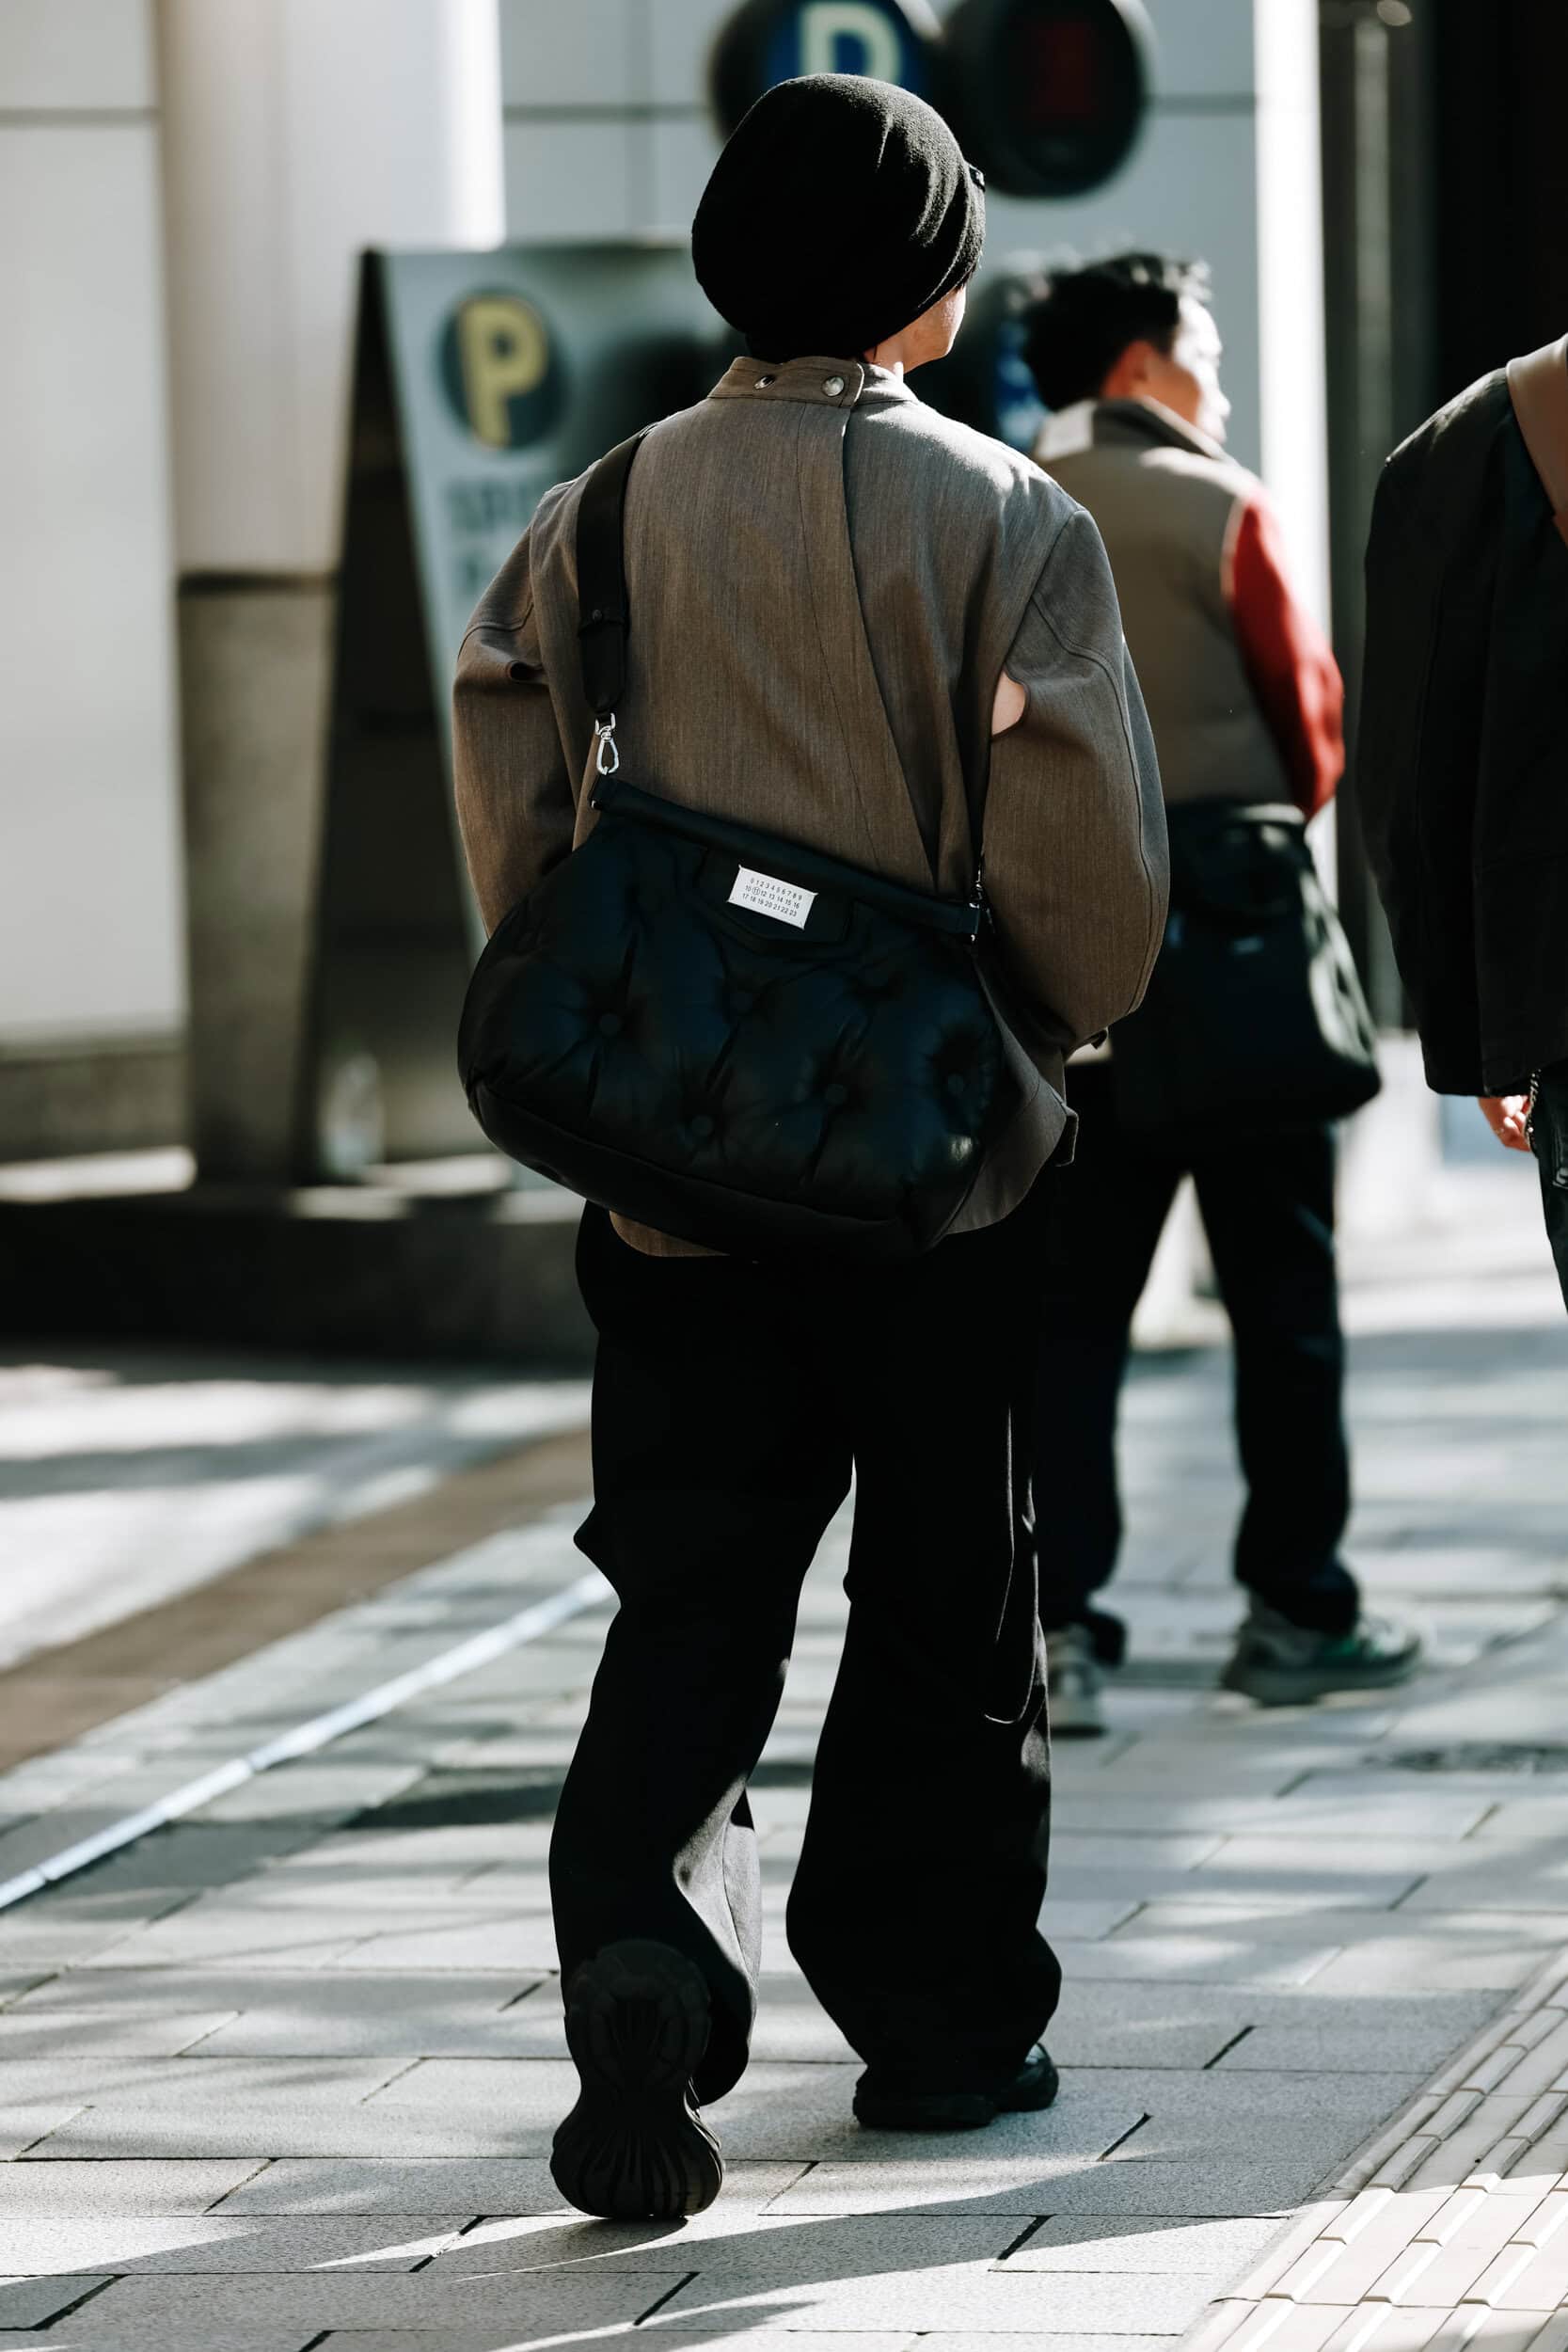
1288	658
1400	622
516	808
1076	863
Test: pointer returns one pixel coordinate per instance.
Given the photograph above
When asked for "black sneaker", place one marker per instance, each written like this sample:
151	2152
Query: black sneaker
634	2148
1281	1665
1035	2085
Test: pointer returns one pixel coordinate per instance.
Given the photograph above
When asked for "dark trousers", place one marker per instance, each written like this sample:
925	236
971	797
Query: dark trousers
1549	1127
729	1403
1267	1205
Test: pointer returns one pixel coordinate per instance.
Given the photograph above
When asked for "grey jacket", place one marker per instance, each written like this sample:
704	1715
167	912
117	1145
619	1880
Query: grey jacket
826	579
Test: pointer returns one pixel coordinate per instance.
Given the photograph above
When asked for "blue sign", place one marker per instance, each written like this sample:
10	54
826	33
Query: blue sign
774	40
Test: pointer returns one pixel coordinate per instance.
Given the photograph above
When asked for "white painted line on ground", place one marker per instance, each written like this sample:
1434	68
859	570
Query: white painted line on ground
527	1625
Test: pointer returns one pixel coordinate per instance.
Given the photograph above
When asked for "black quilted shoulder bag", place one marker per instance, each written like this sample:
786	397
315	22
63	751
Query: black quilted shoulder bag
726	1035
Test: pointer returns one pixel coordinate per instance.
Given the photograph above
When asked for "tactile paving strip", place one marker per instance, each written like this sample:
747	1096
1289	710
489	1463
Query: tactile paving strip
1450	2230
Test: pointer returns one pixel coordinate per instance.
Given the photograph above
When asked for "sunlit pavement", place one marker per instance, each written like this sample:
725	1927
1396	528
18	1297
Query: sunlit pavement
285	2075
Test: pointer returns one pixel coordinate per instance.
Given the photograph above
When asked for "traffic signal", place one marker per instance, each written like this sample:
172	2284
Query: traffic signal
1047	96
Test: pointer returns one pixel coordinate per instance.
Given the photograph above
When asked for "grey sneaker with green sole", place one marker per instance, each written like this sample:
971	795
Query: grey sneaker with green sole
1281	1665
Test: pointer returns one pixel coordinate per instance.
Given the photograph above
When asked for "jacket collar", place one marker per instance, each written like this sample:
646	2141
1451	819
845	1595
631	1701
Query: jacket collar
827	382
1120	425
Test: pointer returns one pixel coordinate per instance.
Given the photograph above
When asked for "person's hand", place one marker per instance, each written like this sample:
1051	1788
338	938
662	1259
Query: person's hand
1506	1114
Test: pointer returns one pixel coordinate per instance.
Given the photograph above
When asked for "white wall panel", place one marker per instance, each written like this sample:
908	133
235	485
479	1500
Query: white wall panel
573	52
1203	48
684	153
571	182
69	54
682	36
89	877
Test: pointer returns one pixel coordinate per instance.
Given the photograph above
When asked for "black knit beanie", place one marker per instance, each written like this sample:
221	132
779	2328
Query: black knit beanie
841	209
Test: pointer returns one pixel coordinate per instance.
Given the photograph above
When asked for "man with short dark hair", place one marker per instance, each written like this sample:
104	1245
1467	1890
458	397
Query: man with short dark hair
1245	701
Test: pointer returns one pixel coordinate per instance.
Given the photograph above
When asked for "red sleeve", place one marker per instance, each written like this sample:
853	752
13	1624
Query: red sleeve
1294	673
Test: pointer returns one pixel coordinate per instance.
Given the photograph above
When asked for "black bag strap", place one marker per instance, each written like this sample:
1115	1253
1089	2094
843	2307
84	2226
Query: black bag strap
603	617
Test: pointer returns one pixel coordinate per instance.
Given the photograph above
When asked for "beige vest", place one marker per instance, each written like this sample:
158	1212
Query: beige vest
1169	503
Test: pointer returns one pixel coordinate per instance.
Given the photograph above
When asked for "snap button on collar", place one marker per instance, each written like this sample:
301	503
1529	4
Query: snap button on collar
833	386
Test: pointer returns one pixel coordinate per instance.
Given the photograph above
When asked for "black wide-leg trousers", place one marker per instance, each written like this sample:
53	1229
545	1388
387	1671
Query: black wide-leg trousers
1267	1205
731	1403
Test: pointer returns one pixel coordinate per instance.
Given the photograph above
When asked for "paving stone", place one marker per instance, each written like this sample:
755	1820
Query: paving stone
527	1945
1082	1919
1310	1812
421	2019
1116	2024
1069	2340
737	2240
288	2127
22	2127
744	2338
991	2302
34	2303
160	1992
1106	2241
1202	2188
152	2084
316	1788
1156	1852
71	2192
217	2242
75	2035
83	2332
544	2304
461	2184
805	2111
231	1937
1334	2049
1529	1877
1198	1957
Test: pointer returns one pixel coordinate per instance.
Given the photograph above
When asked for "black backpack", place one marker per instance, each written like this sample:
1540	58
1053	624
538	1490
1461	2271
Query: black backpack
724	1035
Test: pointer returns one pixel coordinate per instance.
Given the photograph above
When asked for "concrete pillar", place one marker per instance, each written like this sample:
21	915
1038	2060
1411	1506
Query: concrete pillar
91	985
294	135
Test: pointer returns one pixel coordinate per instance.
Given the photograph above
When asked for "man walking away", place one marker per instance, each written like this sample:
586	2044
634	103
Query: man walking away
1245	703
1462	762
836	596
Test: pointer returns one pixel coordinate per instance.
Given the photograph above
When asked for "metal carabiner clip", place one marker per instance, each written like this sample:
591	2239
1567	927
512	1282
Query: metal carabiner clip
609	759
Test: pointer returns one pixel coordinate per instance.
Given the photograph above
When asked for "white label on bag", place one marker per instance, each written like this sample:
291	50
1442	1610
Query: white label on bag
766	895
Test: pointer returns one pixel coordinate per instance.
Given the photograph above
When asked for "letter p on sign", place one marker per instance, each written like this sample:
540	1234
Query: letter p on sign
825	24
504	352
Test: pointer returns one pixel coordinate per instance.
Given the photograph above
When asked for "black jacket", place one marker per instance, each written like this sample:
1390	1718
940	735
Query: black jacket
1461	758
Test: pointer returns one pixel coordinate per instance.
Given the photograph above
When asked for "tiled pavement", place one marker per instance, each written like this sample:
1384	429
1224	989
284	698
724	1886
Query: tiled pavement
285	2076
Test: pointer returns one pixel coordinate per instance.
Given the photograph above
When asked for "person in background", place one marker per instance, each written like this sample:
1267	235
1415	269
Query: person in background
1461	766
1245	703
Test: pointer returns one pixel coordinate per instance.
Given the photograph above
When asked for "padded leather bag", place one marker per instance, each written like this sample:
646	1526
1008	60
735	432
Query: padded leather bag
727	1036
1253	1016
